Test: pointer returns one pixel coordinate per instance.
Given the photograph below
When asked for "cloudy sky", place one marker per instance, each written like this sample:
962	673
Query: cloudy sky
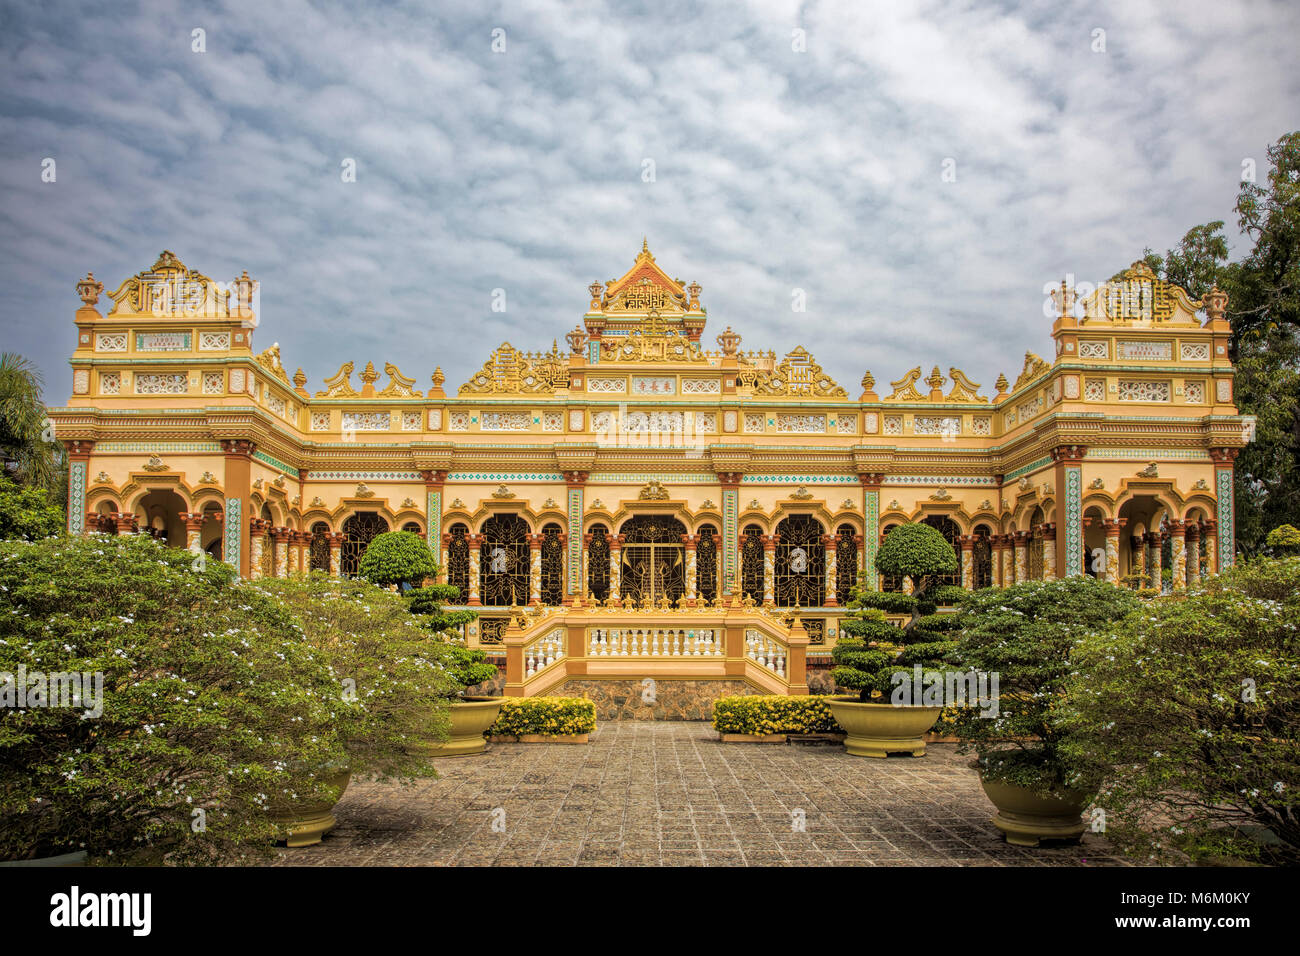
781	160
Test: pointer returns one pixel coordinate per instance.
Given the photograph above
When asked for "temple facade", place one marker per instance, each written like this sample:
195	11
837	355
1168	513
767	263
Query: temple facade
642	489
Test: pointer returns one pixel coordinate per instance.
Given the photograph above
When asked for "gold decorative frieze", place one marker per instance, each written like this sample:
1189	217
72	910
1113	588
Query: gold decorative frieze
511	372
269	359
1034	367
169	288
654	491
797	376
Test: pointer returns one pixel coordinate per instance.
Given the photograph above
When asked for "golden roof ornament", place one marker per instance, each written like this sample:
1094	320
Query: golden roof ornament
728	341
399	386
1001	386
595	289
576	339
1216	301
905	388
654	491
368	378
89	289
694	290
300	380
339	385
1034	367
935	381
963	389
868	386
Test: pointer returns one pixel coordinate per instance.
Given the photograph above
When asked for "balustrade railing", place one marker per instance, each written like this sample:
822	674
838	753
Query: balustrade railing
766	651
544	651
664	642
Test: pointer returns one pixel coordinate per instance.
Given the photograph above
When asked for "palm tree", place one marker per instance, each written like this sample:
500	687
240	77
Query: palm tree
31	453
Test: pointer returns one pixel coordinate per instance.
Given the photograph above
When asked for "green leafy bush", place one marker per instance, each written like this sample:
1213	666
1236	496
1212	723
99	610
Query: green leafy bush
1026	635
380	654
397	557
762	714
917	551
1284	540
548	716
428	604
212	705
1194	704
467	666
27	513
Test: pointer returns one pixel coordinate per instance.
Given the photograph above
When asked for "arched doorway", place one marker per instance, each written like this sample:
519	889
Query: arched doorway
1035	561
503	562
159	514
358	531
952	534
982	557
458	559
846	562
598	562
320	547
653	564
800	563
751	563
706	564
552	565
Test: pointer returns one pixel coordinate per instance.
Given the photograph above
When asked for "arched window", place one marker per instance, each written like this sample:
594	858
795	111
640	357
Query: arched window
503	562
982	557
751	563
800	562
706	564
552	565
320	547
1035	562
890	582
598	562
653	560
458	559
952	533
412	526
358	531
267	563
846	562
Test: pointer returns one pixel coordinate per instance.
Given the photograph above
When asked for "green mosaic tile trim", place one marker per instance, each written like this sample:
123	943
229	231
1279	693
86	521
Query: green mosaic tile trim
575	540
276	463
1227	507
234	532
433	523
503	476
1073	521
156	447
1026	469
1145	454
76	497
871	536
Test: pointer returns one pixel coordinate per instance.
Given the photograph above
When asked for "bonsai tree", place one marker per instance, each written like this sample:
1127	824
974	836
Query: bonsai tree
396	557
868	658
466	666
1026	635
1194	705
1284	540
380	657
196	695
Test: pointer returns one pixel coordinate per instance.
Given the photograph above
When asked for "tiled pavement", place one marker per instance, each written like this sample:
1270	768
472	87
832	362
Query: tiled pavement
661	793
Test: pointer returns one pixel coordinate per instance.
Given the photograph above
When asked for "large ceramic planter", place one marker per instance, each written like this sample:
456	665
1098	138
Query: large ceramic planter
470	719
304	822
1026	818
877	730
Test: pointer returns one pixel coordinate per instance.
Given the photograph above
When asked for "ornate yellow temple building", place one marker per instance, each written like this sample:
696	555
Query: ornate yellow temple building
661	500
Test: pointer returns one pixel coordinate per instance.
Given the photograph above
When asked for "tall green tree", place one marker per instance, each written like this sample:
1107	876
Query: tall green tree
32	455
1264	309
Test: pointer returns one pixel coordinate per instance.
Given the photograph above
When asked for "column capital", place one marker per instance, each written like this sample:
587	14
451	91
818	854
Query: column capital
575	479
1177	527
1113	526
690	541
1049	530
281	534
730	479
968	541
1021	537
1069	454
1224	456
871	480
240	447
193	520
259	525
336	539
432	477
1193	529
79	447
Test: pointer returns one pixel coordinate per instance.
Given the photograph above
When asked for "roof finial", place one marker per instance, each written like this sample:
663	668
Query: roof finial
645	245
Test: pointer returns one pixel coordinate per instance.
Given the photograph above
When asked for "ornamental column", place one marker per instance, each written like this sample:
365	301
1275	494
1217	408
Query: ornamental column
475	542
769	569
534	569
615	566
1193	552
832	559
126	523
257	528
280	552
193	530
78	469
575	572
1138	563
997	546
238	485
690	542
1210	533
433	485
1178	554
444	556
1113	527
1049	551
1154	557
1068	545
729	483
336	553
871	482
968	562
1226	533
1022	540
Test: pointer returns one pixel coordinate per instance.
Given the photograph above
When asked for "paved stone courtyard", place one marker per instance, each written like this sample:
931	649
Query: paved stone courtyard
669	793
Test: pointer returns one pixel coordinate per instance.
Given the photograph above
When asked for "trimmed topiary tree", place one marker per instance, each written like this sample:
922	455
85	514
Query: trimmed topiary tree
1193	705
875	650
397	557
1284	540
